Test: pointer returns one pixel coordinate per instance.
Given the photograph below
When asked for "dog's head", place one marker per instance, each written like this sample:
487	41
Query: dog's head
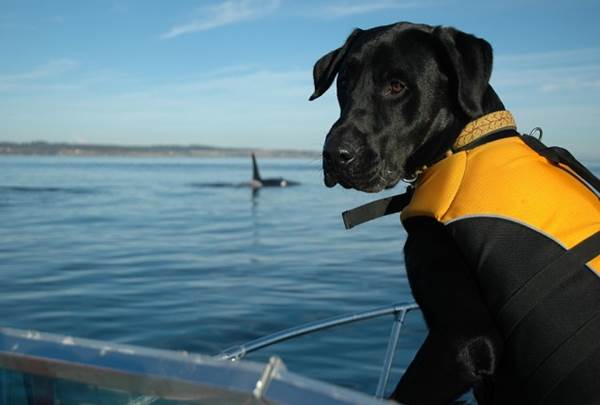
405	91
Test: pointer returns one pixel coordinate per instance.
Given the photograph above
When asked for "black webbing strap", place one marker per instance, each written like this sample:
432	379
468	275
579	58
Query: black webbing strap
544	281
584	339
557	155
491	137
568	356
376	209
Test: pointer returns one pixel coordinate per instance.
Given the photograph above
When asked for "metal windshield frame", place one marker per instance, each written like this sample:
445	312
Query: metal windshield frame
398	310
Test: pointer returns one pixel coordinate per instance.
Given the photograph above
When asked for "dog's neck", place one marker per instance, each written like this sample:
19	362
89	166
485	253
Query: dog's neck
487	125
435	150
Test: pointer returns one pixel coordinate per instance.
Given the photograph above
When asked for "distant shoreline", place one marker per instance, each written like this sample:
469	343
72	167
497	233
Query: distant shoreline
72	149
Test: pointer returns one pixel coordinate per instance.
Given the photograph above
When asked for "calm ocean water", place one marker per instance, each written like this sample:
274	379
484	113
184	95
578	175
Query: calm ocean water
141	251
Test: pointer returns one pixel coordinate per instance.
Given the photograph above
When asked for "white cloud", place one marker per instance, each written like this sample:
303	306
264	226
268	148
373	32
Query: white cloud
347	8
564	70
51	69
225	13
570	56
558	90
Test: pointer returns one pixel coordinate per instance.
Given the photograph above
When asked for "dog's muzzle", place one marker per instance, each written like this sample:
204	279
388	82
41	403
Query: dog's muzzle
359	168
338	166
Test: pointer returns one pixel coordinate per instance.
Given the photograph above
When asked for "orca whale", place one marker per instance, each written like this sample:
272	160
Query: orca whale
258	182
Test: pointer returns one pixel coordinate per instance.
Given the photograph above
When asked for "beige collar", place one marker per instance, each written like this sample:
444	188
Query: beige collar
486	125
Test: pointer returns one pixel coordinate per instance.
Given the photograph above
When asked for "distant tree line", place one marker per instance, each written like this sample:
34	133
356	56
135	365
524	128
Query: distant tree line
70	149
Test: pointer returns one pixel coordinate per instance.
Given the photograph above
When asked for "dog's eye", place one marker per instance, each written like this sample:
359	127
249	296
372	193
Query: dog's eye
395	87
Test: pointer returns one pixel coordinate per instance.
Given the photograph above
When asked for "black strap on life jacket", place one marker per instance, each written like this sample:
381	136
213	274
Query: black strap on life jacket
557	155
546	280
567	357
581	332
377	208
494	136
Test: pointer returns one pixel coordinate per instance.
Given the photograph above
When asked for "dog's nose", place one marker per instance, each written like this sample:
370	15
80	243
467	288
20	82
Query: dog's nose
341	155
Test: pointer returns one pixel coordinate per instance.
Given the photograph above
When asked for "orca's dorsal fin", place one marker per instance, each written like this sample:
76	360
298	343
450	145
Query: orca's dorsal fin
255	173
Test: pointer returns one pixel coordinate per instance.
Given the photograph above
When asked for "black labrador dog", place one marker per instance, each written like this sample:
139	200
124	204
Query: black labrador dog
405	92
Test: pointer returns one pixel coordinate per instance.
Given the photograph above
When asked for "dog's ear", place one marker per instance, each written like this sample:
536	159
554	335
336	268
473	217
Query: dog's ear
328	66
471	59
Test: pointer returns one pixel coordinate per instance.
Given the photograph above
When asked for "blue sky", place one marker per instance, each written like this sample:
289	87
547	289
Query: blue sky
238	72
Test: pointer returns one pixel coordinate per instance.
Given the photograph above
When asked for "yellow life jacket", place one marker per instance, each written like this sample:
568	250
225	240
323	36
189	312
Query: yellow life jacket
530	231
528	227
